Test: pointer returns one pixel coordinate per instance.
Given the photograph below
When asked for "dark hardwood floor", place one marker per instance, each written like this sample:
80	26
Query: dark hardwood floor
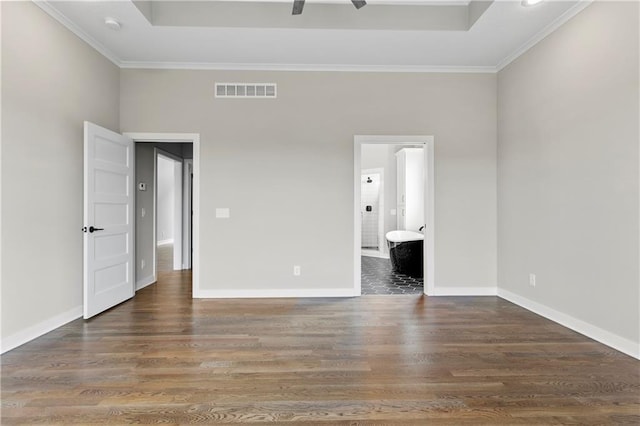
163	357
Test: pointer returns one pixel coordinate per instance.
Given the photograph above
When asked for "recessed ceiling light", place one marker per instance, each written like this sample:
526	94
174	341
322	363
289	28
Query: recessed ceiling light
527	3
112	24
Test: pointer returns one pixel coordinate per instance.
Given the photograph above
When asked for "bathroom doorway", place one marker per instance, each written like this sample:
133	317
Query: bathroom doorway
393	187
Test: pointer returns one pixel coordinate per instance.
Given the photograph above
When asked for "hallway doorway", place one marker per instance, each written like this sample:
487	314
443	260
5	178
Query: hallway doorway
180	249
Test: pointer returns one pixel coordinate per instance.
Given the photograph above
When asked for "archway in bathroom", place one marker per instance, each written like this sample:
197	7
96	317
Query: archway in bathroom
392	218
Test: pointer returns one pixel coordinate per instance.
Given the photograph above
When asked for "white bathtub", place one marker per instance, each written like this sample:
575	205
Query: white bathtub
404	236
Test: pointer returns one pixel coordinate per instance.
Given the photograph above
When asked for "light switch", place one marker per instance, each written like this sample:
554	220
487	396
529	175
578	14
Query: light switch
223	213
392	212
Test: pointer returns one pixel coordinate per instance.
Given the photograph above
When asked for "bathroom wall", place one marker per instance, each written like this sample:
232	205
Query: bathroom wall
370	198
383	156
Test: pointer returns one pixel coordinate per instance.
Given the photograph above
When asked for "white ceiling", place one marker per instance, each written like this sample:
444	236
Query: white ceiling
193	35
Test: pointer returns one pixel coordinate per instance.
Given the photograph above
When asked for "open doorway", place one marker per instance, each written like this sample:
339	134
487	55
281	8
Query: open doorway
393	206
168	210
164	209
392	233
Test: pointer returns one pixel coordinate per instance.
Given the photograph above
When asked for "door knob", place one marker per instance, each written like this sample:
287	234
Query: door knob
92	229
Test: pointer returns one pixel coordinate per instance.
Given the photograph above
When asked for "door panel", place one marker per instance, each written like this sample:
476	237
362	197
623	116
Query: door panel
108	206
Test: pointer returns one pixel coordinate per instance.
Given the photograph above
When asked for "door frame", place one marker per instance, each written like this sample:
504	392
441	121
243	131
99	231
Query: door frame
193	138
187	168
178	208
429	202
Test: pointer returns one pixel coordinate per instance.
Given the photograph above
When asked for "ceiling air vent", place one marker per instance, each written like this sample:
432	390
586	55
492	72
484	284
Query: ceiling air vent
246	90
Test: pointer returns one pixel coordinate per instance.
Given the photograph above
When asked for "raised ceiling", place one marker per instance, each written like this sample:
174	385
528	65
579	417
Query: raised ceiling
405	35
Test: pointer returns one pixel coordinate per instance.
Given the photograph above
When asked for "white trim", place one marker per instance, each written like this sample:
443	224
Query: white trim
463	291
183	138
154	216
274	293
186	213
71	26
163	137
177	215
619	343
306	67
429	200
39	329
164	242
374	253
143	282
538	37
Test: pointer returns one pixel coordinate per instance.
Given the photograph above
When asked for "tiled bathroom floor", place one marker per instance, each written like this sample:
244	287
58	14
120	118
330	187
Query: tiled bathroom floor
379	278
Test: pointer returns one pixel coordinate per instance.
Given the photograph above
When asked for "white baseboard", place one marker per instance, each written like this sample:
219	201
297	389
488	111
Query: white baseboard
143	282
37	330
164	242
268	293
463	291
619	343
374	253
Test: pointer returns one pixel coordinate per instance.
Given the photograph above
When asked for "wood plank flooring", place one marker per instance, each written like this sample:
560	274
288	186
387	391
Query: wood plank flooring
163	357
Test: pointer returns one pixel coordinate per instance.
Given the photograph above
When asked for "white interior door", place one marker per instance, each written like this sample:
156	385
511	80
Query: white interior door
108	219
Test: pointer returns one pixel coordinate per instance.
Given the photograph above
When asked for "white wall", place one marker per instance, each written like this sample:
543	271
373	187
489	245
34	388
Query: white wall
287	177
166	200
383	156
568	173
51	82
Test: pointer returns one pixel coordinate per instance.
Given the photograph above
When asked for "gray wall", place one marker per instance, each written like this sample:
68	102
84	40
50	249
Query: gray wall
145	249
286	171
568	170
51	82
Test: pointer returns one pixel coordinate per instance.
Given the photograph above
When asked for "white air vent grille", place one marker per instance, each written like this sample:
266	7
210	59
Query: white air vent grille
246	90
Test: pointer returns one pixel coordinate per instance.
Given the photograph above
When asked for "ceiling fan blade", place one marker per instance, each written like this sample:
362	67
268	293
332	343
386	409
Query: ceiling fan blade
359	3
298	5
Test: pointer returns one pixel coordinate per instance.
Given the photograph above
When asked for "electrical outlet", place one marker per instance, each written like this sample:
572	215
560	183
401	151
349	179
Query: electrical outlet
532	280
142	264
296	270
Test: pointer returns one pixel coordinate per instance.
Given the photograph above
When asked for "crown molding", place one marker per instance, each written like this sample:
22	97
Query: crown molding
557	23
55	14
305	67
